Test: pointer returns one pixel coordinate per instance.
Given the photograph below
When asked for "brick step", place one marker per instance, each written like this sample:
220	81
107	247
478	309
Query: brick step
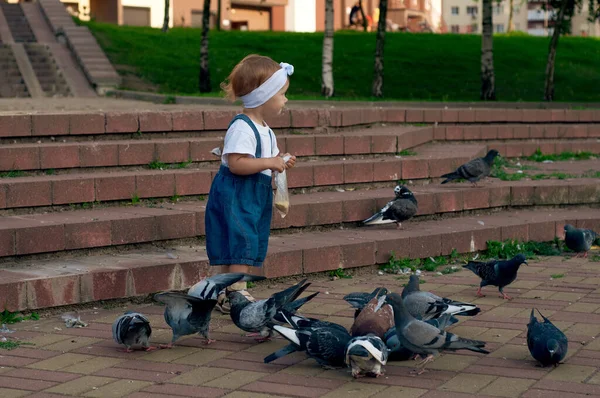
56	282
573	124
384	140
114	226
47	190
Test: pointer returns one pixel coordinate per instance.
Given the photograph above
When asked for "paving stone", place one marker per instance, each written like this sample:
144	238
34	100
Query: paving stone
507	387
467	383
248	394
572	373
200	376
239	379
118	389
355	389
404	392
583	307
512	351
92	365
71	344
499	335
81	385
60	362
452	362
201	357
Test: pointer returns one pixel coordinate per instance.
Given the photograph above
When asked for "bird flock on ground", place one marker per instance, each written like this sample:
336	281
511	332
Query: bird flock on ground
387	326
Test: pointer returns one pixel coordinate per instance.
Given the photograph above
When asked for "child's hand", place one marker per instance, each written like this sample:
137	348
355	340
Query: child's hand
277	164
291	162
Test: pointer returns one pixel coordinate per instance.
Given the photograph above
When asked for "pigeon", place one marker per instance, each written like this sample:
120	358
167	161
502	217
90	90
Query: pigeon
365	355
400	353
580	240
210	288
425	339
132	328
499	273
359	300
547	344
426	305
474	170
403	207
258	317
186	315
375	319
327	345
298	322
290	309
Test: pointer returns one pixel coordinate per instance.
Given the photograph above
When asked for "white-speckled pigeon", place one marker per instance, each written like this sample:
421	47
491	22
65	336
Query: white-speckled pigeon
186	315
132	328
210	288
499	273
403	207
580	240
474	170
425	339
326	344
365	355
426	305
258	317
547	344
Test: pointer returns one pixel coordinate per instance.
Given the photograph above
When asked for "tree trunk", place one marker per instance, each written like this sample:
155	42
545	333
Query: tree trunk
219	3
549	86
165	26
510	27
204	71
362	14
327	69
378	72
488	89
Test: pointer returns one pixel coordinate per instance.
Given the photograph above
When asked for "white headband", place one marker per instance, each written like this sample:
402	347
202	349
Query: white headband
269	88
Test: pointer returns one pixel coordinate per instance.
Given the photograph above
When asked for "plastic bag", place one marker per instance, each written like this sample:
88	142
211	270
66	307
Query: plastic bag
282	197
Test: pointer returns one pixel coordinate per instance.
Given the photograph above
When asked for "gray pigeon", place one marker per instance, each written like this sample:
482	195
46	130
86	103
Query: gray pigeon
186	315
400	353
425	339
399	209
474	170
547	344
426	305
365	355
132	328
358	300
324	343
580	240
499	273
258	317
210	288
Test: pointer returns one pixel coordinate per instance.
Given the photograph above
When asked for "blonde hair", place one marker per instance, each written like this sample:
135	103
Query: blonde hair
248	74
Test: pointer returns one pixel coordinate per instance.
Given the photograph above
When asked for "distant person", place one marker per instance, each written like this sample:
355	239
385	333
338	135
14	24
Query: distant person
354	14
240	202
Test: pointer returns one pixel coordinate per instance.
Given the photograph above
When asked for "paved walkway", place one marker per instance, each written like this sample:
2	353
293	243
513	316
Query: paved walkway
57	361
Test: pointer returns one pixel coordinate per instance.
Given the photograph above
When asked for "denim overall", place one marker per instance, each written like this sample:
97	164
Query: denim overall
238	213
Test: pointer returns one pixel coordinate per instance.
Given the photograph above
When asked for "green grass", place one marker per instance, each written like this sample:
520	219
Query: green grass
156	165
406	152
135	199
417	66
509	248
339	273
12	174
595	258
557	276
556	174
7	317
538	156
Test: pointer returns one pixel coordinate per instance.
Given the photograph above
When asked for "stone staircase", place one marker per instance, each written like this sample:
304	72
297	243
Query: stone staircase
97	206
11	82
48	73
17	23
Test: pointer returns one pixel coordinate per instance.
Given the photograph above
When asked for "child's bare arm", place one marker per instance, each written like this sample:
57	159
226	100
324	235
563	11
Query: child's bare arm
242	164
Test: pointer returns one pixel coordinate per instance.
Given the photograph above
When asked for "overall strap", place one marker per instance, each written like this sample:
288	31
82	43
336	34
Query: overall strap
245	118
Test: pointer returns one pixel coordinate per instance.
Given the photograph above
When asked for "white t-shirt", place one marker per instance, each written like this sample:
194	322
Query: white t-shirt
241	139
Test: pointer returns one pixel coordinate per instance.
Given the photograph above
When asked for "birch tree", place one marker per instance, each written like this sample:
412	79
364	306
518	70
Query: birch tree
327	68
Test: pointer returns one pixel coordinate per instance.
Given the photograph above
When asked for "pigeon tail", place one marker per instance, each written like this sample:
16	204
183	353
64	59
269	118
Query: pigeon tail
450	177
375	219
288	349
290	294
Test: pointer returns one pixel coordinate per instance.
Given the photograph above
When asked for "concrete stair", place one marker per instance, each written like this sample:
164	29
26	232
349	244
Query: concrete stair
11	81
83	217
48	74
17	23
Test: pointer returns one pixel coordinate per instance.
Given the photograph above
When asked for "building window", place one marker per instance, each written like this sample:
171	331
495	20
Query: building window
455	10
455	29
498	9
474	28
472	11
499	28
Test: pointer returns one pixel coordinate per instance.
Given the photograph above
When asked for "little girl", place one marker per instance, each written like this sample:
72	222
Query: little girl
239	208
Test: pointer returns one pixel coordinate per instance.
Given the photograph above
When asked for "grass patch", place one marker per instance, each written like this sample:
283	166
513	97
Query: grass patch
12	174
538	156
250	285
135	199
510	248
7	317
557	276
339	273
50	172
170	61
595	258
406	152
557	175
499	170
182	165
156	165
